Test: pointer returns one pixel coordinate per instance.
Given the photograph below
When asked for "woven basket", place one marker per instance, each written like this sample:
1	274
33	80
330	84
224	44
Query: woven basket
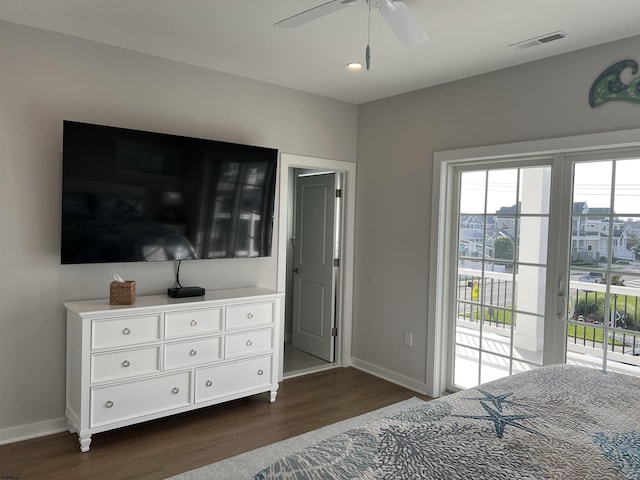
122	293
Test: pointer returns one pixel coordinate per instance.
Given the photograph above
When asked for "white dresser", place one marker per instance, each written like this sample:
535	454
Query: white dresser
161	356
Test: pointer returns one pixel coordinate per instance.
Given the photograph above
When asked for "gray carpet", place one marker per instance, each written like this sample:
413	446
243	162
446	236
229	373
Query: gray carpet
245	466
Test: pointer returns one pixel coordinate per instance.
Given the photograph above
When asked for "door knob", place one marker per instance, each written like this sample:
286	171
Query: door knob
296	270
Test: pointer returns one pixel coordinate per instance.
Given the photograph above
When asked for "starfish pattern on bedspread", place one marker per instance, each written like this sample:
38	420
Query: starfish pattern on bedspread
557	432
496	400
622	448
500	421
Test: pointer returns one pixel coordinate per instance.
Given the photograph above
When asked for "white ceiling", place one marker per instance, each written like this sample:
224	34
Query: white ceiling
467	37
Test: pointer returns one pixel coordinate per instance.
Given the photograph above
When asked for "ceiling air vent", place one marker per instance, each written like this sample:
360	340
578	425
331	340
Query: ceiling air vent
550	37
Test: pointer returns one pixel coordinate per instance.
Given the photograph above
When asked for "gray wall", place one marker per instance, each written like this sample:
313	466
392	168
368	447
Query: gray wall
396	141
46	78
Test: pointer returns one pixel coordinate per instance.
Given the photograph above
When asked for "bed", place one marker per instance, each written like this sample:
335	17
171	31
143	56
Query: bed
555	422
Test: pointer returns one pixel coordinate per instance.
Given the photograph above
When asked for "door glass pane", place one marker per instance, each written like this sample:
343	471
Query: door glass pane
603	328
472	189
531	240
526	333
626	187
466	373
493	367
502	190
535	190
501	272
497	331
591	186
470	238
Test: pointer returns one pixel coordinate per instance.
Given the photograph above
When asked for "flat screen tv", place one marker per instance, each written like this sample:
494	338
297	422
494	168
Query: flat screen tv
130	196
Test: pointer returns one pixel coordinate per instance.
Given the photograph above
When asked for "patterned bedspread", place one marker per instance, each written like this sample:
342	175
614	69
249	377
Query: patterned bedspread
556	422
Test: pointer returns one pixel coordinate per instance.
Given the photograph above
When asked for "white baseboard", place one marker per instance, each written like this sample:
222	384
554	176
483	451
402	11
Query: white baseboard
393	377
32	430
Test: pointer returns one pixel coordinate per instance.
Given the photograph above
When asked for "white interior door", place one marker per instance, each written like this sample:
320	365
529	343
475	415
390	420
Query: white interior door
313	266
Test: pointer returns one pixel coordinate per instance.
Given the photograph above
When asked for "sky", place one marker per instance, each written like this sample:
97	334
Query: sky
592	184
593	181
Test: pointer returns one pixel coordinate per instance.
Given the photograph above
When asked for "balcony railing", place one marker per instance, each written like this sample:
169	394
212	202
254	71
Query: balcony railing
491	300
587	320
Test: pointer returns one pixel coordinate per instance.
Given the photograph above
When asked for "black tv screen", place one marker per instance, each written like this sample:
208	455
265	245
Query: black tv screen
130	196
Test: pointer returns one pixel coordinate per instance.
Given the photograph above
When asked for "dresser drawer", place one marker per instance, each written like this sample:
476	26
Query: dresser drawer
192	322
192	352
124	363
120	332
135	399
232	378
249	315
248	343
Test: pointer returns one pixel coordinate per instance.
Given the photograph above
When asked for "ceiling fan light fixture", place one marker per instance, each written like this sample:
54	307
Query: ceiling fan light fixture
354	66
395	12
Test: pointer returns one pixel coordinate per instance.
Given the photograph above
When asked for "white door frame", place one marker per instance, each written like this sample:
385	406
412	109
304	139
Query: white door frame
344	318
440	242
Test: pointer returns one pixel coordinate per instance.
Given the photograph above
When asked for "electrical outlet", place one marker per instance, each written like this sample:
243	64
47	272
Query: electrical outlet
408	339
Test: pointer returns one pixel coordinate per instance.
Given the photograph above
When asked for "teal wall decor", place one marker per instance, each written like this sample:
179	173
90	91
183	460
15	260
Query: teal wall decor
609	87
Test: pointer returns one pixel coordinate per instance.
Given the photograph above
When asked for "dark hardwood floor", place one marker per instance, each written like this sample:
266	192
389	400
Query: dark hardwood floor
166	447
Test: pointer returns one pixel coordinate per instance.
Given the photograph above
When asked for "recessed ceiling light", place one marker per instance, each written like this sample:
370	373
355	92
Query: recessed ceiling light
354	66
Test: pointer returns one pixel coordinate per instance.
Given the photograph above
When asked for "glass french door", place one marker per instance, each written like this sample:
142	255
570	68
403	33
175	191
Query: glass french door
547	265
603	320
499	297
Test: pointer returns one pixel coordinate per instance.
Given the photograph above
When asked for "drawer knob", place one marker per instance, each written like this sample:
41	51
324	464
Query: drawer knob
109	404
209	383
194	322
126	363
175	390
249	315
193	353
260	372
126	331
249	343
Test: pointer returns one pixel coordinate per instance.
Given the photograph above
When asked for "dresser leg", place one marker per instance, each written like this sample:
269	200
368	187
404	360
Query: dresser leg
84	441
273	395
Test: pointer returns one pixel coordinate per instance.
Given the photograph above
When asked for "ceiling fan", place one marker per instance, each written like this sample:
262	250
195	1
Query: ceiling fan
395	12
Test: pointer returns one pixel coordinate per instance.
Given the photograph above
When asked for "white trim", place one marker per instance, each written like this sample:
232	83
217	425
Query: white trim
555	337
287	162
32	430
307	371
437	346
390	376
578	143
437	343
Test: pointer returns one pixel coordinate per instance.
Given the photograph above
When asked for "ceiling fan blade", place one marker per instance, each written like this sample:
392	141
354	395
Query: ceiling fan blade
313	13
404	24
